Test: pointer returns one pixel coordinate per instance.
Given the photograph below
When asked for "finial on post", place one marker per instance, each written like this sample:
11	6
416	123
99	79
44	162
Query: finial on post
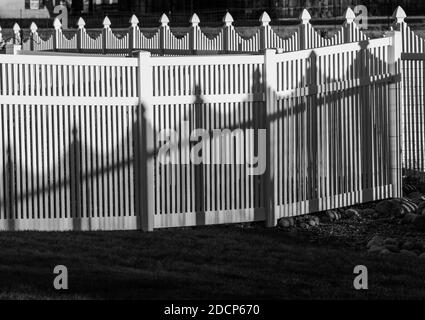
194	20
305	16
228	19
134	21
349	16
81	23
33	27
57	24
16	28
164	20
399	14
106	23
265	19
17	34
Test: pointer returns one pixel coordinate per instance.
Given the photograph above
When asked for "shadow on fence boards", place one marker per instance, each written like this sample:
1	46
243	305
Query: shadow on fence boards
81	137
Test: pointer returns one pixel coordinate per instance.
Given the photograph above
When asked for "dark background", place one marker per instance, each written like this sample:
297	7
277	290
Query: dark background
245	12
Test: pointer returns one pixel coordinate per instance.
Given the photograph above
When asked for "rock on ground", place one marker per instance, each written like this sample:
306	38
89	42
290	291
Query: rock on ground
389	208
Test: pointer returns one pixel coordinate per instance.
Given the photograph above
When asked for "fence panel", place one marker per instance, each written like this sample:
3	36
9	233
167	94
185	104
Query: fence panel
208	93
67	143
332	141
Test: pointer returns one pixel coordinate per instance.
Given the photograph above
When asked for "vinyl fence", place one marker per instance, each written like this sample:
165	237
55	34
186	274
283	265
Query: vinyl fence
228	40
81	137
164	42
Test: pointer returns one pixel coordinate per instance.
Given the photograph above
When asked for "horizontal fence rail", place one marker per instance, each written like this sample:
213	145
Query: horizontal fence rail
83	137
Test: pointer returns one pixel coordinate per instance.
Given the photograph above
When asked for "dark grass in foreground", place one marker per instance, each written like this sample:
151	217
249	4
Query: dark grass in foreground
200	263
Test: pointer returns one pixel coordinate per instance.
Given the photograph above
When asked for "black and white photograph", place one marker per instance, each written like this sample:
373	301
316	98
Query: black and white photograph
207	157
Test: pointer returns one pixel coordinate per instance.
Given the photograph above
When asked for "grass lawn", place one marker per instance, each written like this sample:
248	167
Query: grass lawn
198	263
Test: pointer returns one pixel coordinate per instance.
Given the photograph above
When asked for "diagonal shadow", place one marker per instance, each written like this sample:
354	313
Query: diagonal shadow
308	161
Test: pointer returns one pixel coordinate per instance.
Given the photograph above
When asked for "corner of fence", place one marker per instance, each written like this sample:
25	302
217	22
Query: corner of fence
395	114
145	158
270	88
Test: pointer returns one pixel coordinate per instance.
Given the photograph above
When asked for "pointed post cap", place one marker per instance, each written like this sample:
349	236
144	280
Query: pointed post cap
349	15
164	20
399	14
194	20
16	28
33	27
305	16
265	19
81	23
57	24
228	19
134	21
106	22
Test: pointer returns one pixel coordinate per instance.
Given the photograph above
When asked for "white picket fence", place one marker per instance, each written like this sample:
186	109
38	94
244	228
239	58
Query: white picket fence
413	93
79	147
195	41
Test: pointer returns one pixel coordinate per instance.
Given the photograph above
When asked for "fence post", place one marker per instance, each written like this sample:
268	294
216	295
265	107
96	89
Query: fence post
132	34
270	88
1	35
400	25
145	147
303	28
33	36
228	29
80	34
395	104
57	34
16	34
106	31
164	30
265	28
349	26
193	33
